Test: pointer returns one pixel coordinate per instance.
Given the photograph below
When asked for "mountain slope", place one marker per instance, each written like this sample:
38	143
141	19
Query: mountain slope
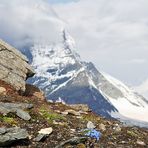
60	73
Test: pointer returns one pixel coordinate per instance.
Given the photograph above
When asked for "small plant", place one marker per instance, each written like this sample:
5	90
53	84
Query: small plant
50	115
131	133
8	120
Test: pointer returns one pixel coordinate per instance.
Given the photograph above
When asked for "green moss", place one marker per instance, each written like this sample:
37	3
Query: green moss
50	115
8	120
131	133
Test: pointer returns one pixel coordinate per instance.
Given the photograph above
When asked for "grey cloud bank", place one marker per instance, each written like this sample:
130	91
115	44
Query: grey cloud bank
27	21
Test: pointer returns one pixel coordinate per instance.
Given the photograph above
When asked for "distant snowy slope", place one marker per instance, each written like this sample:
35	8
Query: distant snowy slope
143	89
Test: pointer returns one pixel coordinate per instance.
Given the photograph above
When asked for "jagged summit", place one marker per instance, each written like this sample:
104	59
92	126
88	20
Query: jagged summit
61	73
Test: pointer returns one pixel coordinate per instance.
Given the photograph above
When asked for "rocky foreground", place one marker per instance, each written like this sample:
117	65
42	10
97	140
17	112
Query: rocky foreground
30	121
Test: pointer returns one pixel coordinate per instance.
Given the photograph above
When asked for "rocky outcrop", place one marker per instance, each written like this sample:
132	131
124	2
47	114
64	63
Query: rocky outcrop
10	135
17	108
14	67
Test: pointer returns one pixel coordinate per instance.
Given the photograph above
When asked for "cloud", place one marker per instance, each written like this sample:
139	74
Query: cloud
138	61
60	1
111	34
23	22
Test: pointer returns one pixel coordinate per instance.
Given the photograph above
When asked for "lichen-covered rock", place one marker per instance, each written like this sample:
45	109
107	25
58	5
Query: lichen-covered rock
14	67
17	108
10	135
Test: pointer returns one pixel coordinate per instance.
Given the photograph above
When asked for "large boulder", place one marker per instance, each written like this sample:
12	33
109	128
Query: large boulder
14	67
10	135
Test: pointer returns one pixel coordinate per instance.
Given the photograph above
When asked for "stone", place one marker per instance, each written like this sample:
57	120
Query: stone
43	133
10	135
82	107
64	113
40	137
139	142
59	123
23	115
83	112
102	127
79	117
50	101
73	112
73	130
46	131
16	108
3	90
117	128
90	125
14	67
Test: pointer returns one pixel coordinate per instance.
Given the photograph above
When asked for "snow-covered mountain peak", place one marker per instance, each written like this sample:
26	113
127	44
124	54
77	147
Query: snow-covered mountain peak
55	62
61	73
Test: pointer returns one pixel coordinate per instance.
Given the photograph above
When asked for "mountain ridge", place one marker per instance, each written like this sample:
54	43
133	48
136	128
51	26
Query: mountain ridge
61	73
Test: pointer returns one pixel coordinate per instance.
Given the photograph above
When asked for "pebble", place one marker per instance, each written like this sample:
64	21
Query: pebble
139	142
3	90
46	131
73	112
90	125
102	127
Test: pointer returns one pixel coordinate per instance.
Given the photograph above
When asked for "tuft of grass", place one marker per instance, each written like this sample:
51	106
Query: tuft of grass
131	133
8	120
50	115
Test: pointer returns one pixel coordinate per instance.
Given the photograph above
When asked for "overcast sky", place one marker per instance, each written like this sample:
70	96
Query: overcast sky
113	34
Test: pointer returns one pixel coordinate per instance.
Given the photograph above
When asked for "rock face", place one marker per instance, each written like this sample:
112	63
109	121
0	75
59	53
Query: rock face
14	68
17	108
10	135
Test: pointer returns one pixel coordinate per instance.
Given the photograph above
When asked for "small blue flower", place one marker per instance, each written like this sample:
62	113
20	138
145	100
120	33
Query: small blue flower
92	133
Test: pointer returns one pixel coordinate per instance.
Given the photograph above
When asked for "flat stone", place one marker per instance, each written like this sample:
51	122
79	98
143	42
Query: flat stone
73	112
16	108
139	142
16	105
117	128
83	112
80	107
40	137
23	115
46	131
102	127
59	123
90	125
2	90
64	113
